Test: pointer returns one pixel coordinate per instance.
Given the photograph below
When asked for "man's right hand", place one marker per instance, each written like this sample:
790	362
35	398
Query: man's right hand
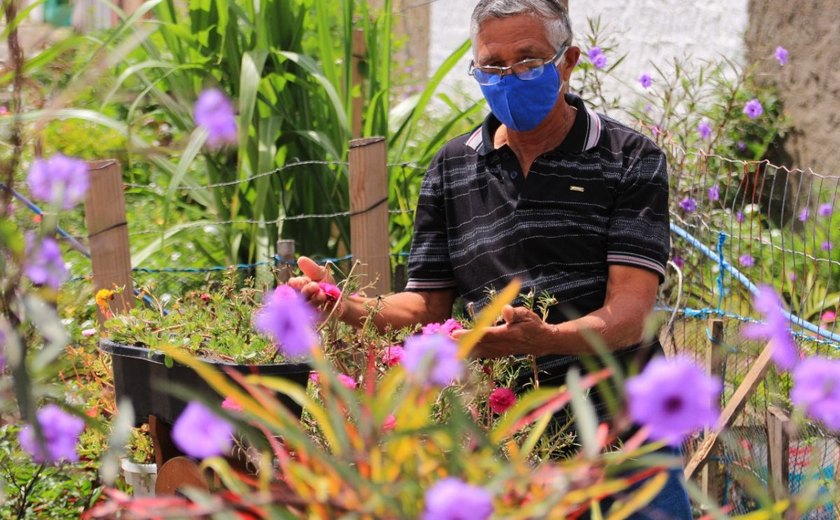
307	284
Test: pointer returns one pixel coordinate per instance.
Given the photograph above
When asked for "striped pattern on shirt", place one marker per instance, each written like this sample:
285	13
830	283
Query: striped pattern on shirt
600	198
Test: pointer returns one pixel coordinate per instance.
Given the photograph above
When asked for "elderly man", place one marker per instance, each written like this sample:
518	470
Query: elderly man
570	202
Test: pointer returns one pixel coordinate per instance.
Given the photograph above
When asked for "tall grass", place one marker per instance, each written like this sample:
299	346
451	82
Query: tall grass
292	106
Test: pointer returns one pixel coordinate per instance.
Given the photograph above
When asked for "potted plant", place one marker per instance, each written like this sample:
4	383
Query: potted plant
138	466
214	326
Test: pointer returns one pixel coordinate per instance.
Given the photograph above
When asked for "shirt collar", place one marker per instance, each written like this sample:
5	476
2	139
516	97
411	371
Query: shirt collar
583	136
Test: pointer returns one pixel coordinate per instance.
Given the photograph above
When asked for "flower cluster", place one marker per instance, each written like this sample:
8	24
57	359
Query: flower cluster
447	327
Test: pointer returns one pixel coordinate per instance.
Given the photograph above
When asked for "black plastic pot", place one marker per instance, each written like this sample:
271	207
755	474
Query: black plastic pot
141	375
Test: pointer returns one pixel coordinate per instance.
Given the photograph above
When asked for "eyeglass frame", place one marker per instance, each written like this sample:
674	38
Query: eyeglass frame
503	71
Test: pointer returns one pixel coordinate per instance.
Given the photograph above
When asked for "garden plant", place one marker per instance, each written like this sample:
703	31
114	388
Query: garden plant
394	424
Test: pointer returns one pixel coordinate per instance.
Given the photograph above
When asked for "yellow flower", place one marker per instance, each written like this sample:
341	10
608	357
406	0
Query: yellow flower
103	296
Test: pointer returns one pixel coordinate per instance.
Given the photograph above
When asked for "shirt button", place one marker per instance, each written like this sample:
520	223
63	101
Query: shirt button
512	175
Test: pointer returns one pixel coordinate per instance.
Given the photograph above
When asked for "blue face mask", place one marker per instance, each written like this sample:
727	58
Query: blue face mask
520	104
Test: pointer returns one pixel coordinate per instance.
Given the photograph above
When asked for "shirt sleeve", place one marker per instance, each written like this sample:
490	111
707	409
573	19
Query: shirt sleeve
429	267
638	234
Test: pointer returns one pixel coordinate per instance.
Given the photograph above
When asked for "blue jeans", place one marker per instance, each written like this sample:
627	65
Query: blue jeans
670	504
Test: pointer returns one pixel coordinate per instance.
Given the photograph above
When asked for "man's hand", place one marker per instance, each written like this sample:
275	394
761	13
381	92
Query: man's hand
523	332
307	284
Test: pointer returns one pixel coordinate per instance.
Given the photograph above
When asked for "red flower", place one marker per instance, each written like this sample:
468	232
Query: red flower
501	399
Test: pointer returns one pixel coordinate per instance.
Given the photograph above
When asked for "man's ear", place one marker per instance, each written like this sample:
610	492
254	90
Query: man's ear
567	65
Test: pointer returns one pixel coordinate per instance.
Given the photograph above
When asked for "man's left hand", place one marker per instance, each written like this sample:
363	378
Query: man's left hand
523	332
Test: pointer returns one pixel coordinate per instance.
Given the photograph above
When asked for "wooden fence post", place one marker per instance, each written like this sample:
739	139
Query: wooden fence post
108	233
369	243
778	451
286	254
712	477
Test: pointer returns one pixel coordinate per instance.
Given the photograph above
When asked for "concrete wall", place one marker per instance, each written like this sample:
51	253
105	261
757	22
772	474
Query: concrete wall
646	30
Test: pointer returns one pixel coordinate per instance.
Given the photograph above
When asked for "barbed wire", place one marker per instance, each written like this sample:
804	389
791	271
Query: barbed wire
156	187
268	222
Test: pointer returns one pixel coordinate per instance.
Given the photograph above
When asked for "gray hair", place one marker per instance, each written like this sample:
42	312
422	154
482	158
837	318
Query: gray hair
553	14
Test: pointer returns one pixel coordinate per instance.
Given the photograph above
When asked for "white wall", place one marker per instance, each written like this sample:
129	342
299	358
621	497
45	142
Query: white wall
645	30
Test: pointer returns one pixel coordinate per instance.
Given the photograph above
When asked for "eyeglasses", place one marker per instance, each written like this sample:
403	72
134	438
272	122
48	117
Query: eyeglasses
526	70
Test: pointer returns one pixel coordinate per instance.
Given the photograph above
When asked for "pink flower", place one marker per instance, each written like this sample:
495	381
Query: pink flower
347	381
390	423
447	327
230	404
313	377
331	291
828	317
88	332
392	355
746	260
501	399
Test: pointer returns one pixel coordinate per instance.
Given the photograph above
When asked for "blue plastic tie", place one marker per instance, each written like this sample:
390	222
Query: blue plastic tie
721	270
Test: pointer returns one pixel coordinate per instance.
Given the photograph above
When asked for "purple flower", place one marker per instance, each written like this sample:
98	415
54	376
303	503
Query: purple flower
741	146
200	433
739	216
816	389
453	499
688	204
714	193
59	180
803	214
213	111
826	246
673	398
645	80
289	320
753	108
432	359
678	261
781	55
746	260
825	210
61	434
704	129
43	263
774	328
597	57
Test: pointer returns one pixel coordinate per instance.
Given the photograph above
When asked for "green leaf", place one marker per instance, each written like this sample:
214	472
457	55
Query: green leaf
584	413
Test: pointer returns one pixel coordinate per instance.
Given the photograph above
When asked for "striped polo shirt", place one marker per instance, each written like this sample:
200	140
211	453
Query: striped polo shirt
600	198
